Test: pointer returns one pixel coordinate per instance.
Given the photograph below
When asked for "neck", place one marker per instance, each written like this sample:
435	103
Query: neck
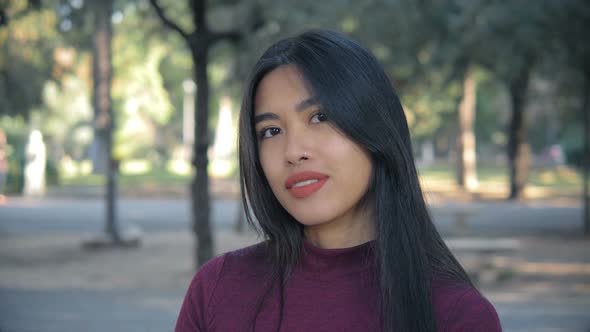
342	233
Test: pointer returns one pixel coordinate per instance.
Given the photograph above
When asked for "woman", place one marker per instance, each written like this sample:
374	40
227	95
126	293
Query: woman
328	178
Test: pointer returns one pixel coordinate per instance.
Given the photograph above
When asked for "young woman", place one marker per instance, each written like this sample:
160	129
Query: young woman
328	178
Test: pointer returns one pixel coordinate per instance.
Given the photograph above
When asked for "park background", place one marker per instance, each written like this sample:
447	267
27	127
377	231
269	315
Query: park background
137	104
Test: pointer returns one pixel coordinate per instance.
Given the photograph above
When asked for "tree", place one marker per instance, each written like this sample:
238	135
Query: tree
466	152
104	120
199	41
506	39
586	162
145	126
450	35
87	26
570	26
430	70
27	41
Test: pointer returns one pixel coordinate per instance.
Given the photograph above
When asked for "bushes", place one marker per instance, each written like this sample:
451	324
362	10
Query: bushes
15	178
575	157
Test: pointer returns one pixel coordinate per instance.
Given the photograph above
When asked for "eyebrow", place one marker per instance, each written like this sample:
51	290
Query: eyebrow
301	106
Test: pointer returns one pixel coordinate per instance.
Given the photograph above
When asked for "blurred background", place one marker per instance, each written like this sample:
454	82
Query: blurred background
118	166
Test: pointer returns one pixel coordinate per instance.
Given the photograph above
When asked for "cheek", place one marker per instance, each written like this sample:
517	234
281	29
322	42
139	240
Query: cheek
343	150
268	161
354	163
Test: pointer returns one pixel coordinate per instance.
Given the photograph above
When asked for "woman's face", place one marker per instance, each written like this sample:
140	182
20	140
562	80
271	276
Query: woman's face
317	174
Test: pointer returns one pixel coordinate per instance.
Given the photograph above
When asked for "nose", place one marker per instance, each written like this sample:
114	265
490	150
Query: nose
298	147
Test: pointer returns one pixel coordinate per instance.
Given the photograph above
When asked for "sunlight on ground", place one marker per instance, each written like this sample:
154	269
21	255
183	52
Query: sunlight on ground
552	268
559	175
135	166
220	168
555	183
178	167
561	181
70	168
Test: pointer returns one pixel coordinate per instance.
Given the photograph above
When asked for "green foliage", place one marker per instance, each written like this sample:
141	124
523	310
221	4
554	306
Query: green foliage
144	105
26	54
151	179
16	138
489	176
51	173
492	111
45	65
67	114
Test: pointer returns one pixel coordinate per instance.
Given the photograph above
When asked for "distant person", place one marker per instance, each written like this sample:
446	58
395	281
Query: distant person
328	176
3	166
35	159
554	155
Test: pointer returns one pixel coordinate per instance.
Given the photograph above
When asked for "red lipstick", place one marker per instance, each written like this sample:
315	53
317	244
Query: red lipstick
304	184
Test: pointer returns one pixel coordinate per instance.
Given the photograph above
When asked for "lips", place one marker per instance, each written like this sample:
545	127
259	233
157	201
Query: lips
304	184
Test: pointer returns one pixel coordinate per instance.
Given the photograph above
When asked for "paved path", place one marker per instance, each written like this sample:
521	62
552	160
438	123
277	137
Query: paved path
526	258
66	215
60	310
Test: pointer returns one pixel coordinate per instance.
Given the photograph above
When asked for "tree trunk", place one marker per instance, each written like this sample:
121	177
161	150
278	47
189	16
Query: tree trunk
103	105
101	77
586	158
518	148
200	183
466	163
199	41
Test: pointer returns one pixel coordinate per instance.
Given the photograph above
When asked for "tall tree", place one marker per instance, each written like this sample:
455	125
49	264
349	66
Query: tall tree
199	41
78	22
27	41
570	26
466	152
446	33
518	148
586	154
104	121
506	39
586	162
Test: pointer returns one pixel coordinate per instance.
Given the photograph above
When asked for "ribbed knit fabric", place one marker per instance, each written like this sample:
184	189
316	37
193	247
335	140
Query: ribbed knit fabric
329	290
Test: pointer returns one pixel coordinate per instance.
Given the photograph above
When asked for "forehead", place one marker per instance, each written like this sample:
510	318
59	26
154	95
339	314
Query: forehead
282	88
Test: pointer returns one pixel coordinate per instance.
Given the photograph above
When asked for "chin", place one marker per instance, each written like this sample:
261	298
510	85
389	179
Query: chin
312	211
312	217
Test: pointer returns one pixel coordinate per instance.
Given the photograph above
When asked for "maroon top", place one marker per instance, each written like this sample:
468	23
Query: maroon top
329	290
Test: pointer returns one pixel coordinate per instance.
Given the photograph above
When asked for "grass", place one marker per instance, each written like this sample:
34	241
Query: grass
561	181
493	180
559	177
152	178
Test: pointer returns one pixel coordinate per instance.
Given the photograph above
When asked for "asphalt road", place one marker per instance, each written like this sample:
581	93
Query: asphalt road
88	215
80	310
47	283
68	215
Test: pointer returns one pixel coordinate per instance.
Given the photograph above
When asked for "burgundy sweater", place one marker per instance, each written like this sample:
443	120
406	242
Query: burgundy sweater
329	290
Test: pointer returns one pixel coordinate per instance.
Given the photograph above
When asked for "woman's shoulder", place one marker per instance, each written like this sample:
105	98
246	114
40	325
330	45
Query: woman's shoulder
461	307
220	278
234	264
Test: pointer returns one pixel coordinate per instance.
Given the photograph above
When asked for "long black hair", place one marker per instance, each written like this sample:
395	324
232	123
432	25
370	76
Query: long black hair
359	99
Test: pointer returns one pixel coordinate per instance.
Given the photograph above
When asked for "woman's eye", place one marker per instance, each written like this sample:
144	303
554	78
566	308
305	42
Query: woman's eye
269	132
319	117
